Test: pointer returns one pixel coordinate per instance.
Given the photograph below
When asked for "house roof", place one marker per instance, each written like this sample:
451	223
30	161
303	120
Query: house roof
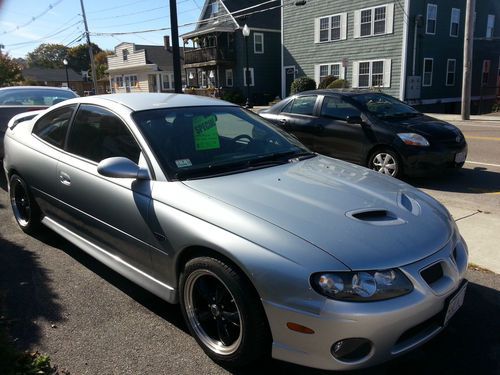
50	75
159	55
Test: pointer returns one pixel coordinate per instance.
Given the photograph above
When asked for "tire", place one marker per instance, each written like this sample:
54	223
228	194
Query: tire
25	209
387	162
223	312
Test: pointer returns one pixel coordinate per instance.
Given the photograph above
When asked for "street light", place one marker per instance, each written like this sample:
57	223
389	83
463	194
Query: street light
246	34
65	62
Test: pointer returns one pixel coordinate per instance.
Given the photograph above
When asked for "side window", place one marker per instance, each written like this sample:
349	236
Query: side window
338	109
303	105
97	134
53	126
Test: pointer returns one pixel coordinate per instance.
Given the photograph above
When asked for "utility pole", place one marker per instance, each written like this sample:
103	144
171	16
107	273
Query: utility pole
91	53
467	69
175	47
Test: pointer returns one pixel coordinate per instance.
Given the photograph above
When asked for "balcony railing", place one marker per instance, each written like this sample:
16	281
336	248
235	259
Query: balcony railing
202	55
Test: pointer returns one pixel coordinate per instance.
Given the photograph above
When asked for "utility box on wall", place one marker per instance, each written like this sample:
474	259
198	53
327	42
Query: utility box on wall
413	85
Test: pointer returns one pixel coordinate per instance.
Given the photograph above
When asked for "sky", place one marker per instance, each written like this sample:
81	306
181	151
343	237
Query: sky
25	24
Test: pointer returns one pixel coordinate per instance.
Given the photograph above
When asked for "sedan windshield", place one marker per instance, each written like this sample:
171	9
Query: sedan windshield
384	106
196	142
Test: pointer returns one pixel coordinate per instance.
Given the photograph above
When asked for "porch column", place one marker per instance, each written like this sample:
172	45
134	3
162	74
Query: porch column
158	83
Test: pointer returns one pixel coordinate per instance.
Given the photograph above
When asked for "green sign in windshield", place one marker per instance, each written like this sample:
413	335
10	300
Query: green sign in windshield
205	133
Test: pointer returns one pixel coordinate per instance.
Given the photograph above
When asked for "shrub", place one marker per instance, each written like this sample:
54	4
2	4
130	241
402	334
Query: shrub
233	96
326	82
338	84
302	84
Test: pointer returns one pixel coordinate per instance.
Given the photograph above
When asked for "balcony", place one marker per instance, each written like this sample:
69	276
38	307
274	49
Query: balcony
207	56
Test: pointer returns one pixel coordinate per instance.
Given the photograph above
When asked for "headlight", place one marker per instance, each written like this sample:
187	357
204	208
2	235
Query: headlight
362	285
413	139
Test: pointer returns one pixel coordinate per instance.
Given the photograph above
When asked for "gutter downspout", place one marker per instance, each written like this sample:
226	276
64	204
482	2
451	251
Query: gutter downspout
404	52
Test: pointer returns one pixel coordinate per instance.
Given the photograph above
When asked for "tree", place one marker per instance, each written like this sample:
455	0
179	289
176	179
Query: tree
10	71
79	57
48	56
302	84
101	63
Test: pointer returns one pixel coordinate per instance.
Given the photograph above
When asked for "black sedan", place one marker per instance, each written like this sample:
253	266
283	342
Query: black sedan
371	129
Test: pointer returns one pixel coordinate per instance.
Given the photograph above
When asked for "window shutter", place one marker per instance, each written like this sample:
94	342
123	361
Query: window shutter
355	74
387	73
357	23
342	72
316	30
389	26
316	74
343	26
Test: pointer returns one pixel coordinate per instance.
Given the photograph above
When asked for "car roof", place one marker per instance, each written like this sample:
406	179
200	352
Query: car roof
19	88
344	92
145	101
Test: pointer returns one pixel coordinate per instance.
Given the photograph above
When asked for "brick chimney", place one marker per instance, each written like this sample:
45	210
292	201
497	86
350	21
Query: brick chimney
166	42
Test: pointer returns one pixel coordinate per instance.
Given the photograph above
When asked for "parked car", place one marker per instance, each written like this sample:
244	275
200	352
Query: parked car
268	247
19	99
371	129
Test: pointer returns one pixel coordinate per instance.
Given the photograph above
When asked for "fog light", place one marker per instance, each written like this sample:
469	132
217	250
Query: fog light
351	349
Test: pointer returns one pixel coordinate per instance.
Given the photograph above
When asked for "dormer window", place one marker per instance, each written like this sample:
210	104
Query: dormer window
125	54
214	9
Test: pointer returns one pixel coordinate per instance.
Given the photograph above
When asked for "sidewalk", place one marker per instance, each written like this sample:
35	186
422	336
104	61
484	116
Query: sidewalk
494	117
481	231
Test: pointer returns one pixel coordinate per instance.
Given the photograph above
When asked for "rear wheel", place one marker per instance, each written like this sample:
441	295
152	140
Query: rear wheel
25	209
386	161
223	312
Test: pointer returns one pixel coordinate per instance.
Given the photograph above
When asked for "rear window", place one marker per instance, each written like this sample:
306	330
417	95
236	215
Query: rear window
34	97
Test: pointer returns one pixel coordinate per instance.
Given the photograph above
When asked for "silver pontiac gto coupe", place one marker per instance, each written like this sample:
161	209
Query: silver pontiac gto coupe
268	248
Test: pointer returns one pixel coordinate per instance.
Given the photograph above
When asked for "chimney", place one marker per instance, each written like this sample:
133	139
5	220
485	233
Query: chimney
166	42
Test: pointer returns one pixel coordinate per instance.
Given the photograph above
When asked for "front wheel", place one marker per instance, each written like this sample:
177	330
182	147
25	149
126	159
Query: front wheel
223	312
386	161
25	209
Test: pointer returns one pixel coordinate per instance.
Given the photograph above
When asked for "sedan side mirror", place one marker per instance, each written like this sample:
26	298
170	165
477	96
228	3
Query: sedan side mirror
354	120
119	167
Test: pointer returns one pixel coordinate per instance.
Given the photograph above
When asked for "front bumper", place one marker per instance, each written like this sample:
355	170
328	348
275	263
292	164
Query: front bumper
392	326
418	161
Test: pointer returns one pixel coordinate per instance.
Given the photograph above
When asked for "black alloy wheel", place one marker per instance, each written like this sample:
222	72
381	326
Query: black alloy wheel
25	209
218	307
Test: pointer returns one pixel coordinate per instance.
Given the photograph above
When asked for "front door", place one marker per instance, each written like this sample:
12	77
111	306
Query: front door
109	212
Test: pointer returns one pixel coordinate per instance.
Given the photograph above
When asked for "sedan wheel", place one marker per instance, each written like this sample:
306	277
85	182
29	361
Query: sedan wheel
24	207
228	325
385	162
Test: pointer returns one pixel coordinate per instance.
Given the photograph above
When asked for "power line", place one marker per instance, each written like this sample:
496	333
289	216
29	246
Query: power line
33	19
46	36
127	14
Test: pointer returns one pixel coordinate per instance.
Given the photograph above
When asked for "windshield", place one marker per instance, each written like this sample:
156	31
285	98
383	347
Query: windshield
34	97
384	106
208	141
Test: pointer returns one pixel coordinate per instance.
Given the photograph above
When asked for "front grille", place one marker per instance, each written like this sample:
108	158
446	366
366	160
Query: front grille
432	273
420	330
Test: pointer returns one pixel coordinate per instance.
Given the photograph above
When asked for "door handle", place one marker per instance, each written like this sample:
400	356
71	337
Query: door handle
282	121
64	178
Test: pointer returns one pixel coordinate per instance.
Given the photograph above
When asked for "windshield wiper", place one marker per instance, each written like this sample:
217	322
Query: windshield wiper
281	157
401	115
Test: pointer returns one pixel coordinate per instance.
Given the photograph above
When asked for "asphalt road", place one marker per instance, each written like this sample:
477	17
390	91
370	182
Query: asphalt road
90	320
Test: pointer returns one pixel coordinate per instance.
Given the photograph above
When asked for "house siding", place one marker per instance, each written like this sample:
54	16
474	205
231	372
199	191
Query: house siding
134	57
300	50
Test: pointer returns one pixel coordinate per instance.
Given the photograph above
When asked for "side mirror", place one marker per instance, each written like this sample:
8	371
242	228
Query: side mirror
119	167
354	120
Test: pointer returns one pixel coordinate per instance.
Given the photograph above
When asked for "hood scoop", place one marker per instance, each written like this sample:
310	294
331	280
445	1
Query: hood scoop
375	216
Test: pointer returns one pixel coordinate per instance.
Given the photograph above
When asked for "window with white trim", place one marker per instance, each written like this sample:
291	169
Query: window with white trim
229	77
490	25
430	25
119	81
428	68
125	54
321	71
454	21
251	77
486	72
130	80
167	81
374	21
372	73
331	28
451	66
258	43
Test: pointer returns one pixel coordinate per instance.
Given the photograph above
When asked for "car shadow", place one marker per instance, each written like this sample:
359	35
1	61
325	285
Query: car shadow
26	294
464	180
470	344
165	310
3	181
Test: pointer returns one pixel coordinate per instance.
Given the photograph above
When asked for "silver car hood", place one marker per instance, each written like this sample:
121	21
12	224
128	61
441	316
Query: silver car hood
364	219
